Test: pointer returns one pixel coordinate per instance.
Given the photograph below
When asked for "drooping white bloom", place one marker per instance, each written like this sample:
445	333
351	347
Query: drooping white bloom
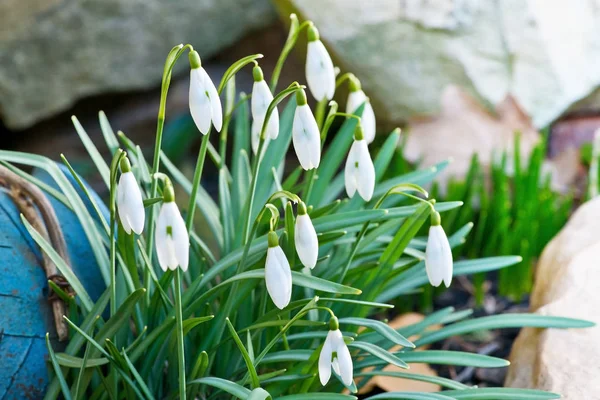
172	240
438	255
335	354
305	134
278	274
130	205
305	238
205	104
355	100
261	98
359	173
320	73
255	136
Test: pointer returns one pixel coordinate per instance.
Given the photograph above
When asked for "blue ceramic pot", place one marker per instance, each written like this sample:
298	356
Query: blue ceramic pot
26	313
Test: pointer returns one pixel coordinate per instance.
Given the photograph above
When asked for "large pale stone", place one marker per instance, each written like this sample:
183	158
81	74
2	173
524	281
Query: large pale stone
543	52
567	283
463	128
53	52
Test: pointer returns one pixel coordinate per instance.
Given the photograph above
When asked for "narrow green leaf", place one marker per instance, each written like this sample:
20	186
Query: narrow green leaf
500	394
92	151
61	378
409	396
230	387
191	323
436	380
245	355
380	327
379	353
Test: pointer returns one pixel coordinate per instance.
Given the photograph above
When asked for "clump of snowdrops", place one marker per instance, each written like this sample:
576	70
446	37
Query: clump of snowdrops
290	301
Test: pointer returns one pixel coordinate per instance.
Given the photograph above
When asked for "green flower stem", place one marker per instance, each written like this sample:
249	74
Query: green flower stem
114	167
295	29
256	161
189	219
179	330
398	189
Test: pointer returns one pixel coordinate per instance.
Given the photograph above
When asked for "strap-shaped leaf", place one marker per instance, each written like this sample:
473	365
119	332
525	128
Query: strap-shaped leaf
380	327
378	352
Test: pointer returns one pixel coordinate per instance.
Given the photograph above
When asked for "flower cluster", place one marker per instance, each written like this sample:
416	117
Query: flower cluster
172	238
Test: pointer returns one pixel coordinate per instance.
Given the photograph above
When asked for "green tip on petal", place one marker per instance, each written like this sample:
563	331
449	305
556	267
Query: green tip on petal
436	220
194	59
272	239
258	74
312	33
125	165
358	133
301	97
334	324
168	192
302	208
354	84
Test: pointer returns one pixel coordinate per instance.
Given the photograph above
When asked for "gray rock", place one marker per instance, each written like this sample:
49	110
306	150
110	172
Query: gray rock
53	52
406	52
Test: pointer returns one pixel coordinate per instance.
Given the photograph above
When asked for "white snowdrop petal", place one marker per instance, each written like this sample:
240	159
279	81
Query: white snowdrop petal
273	127
278	277
181	241
216	110
355	99
307	243
365	172
122	205
200	107
368	122
133	202
320	73
438	257
161	239
305	136
336	366
325	360
350	171
261	97
255	136
344	363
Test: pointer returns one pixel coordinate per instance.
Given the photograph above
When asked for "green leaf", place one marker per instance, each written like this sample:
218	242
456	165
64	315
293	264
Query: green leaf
318	396
502	321
409	396
500	394
191	323
259	394
93	152
457	358
69	361
230	387
245	355
61	378
379	353
323	285
61	265
380	327
444	382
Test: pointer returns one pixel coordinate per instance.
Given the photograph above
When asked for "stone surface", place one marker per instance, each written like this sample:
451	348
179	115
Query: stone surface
543	52
567	283
53	52
464	127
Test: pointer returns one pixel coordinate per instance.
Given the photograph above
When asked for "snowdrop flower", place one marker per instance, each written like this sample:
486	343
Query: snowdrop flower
335	354
255	136
278	274
205	104
355	99
130	205
305	238
360	172
305	134
320	74
172	240
261	98
438	255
